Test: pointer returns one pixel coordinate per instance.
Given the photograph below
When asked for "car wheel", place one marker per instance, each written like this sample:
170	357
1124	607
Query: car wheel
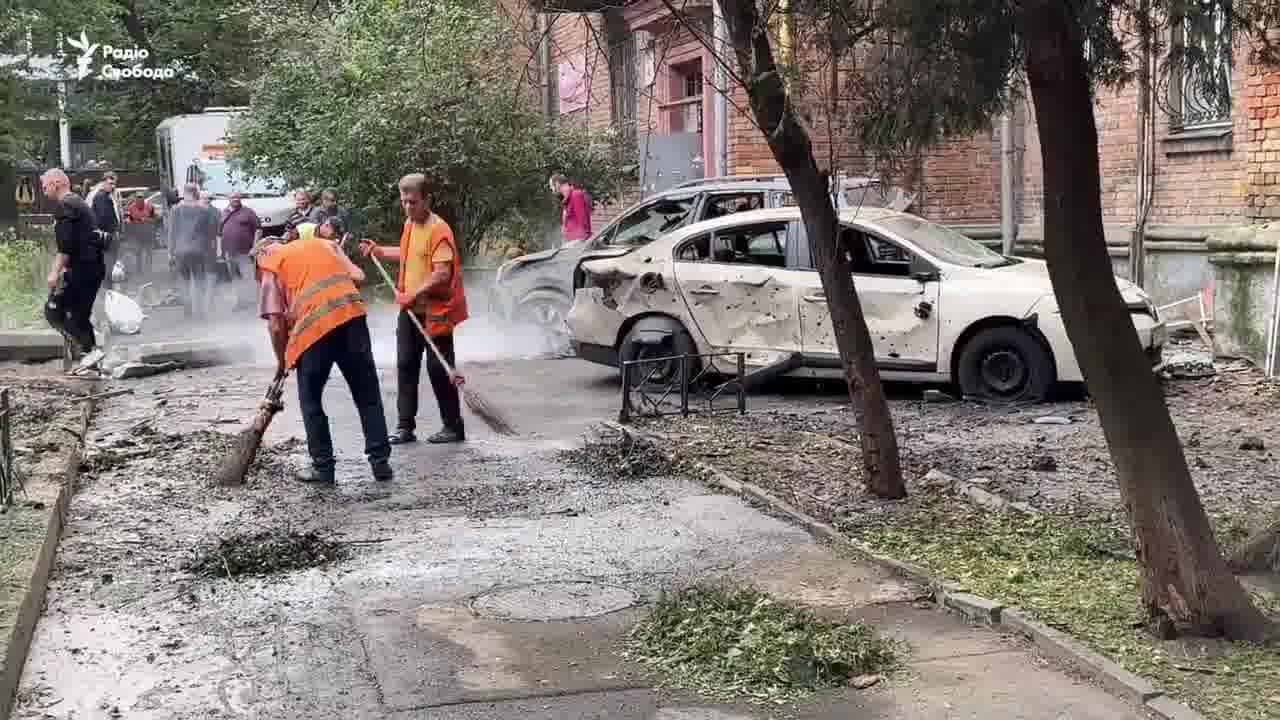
676	343
1005	364
547	313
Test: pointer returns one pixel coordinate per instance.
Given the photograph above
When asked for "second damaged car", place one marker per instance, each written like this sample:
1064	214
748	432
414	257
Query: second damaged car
941	308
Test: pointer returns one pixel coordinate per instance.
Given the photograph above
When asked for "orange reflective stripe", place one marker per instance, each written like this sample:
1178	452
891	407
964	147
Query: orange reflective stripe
322	310
314	289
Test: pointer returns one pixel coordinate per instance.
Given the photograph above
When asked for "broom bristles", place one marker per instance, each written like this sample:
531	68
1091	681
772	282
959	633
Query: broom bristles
488	413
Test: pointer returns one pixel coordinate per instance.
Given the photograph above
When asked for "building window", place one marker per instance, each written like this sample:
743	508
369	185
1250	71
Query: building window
1204	82
686	100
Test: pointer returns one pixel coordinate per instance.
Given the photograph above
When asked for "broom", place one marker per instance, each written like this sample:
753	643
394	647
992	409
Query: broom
235	466
477	404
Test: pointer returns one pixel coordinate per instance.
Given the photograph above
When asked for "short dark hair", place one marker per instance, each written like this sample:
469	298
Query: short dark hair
330	191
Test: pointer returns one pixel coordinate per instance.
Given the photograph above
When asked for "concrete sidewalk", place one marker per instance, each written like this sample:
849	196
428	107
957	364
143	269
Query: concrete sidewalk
499	584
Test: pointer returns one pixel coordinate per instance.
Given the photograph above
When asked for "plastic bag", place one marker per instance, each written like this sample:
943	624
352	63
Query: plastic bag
117	272
123	314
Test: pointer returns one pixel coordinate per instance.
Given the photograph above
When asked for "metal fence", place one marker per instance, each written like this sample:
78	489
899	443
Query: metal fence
649	384
9	481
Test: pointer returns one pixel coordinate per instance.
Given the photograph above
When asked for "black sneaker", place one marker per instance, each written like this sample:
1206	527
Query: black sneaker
315	475
382	471
402	437
446	436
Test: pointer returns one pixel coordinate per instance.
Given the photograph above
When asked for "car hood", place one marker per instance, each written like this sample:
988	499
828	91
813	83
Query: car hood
1033	275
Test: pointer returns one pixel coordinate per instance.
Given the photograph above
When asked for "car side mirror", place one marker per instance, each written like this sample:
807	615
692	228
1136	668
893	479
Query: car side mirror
922	271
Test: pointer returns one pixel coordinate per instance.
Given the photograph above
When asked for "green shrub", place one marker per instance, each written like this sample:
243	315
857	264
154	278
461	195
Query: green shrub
22	272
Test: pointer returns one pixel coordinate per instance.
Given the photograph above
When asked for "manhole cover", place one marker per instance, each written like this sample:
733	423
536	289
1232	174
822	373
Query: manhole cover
553	601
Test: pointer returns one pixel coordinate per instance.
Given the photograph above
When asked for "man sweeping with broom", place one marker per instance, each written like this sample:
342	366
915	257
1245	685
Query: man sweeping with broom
317	319
429	287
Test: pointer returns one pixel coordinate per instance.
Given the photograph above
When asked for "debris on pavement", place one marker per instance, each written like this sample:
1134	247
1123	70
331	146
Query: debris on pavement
265	553
134	370
734	643
1052	420
620	456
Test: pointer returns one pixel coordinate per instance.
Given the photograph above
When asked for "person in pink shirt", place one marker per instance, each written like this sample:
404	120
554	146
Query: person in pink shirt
575	209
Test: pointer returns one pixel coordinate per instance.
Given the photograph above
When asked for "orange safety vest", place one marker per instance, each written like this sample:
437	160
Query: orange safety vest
440	314
321	295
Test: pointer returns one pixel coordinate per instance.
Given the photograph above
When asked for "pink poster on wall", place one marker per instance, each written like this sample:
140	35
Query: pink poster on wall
573	84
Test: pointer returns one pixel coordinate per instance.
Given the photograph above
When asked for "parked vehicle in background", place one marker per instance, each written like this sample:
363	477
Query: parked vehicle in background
194	148
941	308
537	289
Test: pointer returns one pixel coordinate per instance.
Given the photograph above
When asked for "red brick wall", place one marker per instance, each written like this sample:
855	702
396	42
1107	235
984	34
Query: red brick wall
1196	181
1261	142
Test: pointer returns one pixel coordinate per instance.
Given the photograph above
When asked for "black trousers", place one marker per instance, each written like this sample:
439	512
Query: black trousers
409	349
70	306
348	346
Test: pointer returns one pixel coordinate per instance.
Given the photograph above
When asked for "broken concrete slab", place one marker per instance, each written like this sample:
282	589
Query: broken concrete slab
133	370
191	353
31	345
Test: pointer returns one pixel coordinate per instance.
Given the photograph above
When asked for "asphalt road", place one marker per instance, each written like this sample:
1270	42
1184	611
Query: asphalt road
487	581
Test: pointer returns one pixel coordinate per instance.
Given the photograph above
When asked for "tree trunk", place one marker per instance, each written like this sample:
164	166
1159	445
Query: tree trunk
794	152
1260	552
1186	585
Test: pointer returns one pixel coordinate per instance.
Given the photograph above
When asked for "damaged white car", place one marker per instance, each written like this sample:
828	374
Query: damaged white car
941	308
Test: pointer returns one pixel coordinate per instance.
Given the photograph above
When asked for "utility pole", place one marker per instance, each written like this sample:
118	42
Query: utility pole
1008	230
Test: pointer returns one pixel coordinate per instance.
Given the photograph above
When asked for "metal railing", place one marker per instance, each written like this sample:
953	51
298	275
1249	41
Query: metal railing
10	483
650	395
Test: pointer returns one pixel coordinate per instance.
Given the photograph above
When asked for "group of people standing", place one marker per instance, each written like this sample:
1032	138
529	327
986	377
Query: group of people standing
308	292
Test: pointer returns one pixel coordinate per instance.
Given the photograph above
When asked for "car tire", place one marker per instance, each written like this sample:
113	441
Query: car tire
1005	364
547	313
677	342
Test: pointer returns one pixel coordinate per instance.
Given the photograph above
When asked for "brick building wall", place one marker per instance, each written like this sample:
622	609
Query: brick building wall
1261	141
1201	177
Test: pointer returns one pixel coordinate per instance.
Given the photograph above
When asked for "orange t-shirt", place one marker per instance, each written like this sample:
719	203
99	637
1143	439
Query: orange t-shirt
421	246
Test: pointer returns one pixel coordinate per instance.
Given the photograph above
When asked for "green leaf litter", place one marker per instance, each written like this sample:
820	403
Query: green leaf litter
741	644
1078	573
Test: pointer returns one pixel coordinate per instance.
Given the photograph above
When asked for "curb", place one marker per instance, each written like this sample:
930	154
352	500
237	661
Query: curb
952	598
19	641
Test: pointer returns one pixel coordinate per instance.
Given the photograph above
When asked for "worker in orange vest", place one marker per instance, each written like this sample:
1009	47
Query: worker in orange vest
429	286
308	295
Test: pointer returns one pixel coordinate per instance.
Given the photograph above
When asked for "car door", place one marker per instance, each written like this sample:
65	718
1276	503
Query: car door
739	291
899	292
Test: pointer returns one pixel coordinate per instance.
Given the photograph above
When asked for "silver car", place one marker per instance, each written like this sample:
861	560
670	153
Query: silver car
537	289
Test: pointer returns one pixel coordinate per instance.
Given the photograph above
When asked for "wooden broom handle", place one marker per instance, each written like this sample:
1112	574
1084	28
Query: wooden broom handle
416	323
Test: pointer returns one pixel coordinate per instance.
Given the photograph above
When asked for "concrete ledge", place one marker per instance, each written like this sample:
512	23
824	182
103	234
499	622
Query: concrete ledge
19	640
976	608
1166	708
1061	646
31	345
190	353
953	598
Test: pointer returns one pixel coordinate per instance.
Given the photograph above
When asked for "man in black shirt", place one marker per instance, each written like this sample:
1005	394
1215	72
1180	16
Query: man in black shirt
102	199
78	268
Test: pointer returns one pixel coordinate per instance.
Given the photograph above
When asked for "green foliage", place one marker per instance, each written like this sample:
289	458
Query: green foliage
390	88
1078	574
736	643
22	290
953	63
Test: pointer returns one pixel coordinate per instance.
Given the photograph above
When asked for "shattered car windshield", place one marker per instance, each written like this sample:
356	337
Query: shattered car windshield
943	243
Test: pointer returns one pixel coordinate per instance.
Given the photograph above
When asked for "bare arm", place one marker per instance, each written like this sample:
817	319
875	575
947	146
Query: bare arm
441	275
278	328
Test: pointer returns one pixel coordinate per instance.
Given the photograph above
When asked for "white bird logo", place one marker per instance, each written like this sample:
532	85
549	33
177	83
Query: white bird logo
87	49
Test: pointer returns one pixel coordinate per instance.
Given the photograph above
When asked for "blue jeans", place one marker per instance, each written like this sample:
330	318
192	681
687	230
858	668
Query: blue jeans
348	346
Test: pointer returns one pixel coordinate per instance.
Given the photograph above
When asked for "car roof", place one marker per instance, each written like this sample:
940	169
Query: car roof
751	182
786	214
